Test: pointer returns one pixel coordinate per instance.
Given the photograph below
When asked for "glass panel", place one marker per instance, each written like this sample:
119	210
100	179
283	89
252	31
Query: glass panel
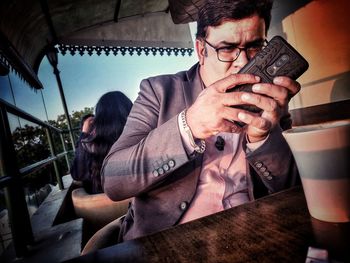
50	93
26	98
56	138
38	185
70	156
30	141
5	230
5	90
13	122
67	141
62	166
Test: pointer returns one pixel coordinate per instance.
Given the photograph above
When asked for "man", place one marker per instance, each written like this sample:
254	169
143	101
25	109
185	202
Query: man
166	157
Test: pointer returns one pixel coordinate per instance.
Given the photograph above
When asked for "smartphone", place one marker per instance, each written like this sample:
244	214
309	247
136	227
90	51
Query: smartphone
278	58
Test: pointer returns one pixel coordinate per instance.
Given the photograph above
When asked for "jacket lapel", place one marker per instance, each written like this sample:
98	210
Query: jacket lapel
192	86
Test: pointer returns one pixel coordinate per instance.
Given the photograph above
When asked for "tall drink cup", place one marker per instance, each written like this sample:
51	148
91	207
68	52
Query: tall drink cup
322	154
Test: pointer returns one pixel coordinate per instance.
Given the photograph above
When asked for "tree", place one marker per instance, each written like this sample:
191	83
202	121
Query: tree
77	115
31	143
32	146
75	118
61	123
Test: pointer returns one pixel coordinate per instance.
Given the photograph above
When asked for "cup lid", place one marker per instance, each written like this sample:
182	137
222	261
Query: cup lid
317	127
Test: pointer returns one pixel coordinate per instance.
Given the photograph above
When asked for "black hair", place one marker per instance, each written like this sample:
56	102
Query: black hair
214	12
111	112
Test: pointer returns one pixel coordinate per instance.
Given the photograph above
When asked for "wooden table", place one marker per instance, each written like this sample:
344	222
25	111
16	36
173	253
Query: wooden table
276	228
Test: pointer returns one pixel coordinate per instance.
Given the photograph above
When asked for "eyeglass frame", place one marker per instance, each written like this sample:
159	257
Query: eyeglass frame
217	49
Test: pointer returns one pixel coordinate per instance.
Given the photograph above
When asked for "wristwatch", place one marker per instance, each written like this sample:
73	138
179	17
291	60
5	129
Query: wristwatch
199	148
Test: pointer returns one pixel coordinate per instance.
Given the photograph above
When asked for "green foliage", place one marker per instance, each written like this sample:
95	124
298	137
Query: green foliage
77	115
31	145
75	118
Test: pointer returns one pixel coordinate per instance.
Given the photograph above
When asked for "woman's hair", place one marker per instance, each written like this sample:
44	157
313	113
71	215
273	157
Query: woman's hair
111	112
214	12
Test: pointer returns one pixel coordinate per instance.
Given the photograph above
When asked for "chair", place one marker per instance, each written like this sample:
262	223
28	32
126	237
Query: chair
106	236
97	210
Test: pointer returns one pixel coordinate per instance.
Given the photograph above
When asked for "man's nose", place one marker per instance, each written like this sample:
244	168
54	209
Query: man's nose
242	59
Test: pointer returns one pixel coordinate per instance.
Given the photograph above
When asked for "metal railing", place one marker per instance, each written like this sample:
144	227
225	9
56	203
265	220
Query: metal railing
11	179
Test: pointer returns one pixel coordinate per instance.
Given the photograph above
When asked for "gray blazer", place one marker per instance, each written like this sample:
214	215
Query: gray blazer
149	162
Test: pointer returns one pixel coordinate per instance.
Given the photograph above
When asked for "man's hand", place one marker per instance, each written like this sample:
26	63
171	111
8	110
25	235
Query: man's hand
211	112
274	106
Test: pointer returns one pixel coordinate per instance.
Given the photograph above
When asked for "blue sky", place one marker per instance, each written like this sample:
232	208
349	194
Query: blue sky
86	78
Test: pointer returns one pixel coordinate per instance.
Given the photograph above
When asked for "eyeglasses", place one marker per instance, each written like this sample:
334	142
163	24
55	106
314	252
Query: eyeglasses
231	52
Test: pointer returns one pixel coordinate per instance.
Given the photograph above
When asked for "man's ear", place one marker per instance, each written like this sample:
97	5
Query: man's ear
201	51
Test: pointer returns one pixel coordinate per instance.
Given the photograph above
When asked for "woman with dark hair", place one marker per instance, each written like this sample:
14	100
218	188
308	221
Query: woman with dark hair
98	135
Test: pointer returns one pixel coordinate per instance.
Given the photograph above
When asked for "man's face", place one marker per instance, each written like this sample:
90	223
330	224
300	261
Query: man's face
240	33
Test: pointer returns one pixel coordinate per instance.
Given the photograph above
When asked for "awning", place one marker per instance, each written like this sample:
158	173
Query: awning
29	27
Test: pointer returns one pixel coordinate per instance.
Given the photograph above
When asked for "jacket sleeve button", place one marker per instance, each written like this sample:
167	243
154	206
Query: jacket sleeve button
155	173
266	173
258	164
263	169
166	167
160	171
183	205
171	163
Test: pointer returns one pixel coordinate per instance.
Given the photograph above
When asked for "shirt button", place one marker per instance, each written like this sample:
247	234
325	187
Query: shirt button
166	167
269	178
171	163
160	171
267	173
263	169
155	173
258	164
183	205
